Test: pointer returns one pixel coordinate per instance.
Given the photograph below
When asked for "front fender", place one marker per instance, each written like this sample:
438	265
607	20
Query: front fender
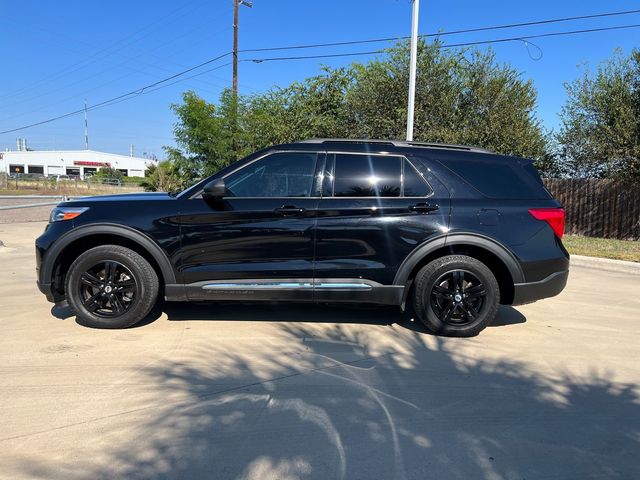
54	251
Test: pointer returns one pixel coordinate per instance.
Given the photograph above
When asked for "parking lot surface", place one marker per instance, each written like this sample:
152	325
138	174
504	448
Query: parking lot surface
551	390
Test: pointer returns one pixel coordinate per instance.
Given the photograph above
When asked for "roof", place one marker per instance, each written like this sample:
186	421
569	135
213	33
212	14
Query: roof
73	152
396	143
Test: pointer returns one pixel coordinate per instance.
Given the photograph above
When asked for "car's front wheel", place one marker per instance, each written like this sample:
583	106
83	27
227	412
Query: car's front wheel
456	296
111	287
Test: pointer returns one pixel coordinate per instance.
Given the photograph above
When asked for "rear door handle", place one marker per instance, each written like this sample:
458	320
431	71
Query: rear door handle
289	210
423	207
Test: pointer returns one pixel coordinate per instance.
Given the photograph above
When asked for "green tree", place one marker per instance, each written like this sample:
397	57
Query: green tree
206	134
600	133
164	177
463	96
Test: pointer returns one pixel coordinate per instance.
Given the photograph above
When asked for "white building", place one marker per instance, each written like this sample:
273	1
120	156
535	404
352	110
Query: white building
70	162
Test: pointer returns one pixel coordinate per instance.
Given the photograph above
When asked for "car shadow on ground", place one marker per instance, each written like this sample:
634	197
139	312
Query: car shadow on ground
292	312
313	313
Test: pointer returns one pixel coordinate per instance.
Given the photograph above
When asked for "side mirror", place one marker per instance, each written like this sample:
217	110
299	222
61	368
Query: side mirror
214	190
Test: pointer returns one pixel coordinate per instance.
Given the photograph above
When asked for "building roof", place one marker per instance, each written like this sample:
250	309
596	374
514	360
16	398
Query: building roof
74	152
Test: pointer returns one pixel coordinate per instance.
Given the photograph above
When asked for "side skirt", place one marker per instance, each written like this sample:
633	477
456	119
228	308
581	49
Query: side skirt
295	290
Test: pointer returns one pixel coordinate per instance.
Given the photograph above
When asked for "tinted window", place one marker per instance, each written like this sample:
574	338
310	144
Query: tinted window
327	175
414	184
367	176
287	174
499	179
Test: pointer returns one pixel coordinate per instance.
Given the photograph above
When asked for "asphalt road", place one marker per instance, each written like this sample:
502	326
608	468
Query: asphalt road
551	391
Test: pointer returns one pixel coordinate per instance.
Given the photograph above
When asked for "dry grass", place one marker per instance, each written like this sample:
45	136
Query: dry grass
603	247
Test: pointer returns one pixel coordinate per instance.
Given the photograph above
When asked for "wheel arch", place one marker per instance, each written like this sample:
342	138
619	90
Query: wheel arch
68	247
498	258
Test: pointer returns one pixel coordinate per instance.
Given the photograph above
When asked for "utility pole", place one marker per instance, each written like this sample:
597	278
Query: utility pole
235	47
236	4
413	68
86	127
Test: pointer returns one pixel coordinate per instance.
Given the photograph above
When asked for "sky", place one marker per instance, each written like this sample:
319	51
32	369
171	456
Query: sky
57	54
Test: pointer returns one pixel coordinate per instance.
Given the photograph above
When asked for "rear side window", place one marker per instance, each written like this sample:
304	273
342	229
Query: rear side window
509	178
367	176
348	175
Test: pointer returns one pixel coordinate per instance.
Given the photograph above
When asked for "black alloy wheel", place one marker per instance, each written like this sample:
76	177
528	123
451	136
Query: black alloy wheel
458	297
108	289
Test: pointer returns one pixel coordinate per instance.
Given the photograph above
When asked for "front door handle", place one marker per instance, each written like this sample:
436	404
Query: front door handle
423	207
289	210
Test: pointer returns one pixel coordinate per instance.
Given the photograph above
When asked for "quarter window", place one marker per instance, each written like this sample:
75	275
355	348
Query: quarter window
286	174
413	183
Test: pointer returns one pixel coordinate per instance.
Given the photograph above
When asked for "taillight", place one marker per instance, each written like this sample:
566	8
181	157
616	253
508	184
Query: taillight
553	216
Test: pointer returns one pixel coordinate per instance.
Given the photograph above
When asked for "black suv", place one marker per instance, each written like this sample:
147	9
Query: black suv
453	231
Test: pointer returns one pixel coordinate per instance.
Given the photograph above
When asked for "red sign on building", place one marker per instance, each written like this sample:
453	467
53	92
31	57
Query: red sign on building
92	164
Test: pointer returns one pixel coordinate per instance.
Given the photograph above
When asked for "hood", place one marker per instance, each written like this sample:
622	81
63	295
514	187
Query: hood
124	197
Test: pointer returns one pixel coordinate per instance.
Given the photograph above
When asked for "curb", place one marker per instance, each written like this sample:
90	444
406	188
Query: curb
605	264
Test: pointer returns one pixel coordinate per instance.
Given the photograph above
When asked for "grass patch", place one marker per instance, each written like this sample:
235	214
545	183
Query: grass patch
603	247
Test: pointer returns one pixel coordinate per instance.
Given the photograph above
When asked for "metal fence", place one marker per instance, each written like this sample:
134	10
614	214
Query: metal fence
599	207
50	200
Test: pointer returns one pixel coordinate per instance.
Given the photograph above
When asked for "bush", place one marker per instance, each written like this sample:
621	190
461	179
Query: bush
108	172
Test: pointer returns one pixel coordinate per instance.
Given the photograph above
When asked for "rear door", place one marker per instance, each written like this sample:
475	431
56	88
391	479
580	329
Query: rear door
375	209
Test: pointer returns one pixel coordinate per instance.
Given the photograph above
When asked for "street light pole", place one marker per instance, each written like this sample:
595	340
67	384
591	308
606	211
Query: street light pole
413	68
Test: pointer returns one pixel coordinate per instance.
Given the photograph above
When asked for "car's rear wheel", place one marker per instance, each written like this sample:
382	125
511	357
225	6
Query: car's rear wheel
111	287
456	296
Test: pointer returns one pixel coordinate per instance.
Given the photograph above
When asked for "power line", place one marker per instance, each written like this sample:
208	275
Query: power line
119	98
110	50
99	73
442	34
449	45
544	35
150	87
309	57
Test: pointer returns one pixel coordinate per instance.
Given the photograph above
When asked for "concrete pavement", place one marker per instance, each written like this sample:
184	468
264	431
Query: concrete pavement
286	392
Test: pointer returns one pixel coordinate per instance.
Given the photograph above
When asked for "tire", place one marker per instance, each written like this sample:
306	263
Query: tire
456	296
111	287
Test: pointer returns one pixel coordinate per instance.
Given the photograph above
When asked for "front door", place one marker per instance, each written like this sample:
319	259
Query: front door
257	243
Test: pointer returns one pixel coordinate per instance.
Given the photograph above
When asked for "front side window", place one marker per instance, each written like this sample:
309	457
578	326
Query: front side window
286	174
367	176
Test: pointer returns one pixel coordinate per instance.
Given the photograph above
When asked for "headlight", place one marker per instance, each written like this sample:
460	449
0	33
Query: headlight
60	214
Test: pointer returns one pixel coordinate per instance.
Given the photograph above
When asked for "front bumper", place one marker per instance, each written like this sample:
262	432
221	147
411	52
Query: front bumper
548	287
47	290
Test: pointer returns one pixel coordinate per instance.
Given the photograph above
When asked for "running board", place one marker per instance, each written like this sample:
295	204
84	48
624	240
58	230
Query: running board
288	286
297	290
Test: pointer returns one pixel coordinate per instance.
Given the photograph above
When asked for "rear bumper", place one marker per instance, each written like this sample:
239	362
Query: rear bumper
548	287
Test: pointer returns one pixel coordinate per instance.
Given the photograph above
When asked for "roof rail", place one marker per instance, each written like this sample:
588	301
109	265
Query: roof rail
398	143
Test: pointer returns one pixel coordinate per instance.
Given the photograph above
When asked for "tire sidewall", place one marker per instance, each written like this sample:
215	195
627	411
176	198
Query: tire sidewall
142	295
432	272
